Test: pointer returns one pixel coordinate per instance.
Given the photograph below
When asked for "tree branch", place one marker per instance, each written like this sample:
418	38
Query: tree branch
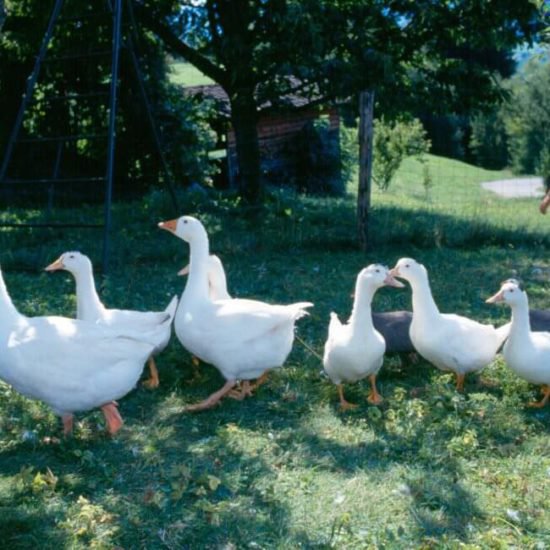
154	23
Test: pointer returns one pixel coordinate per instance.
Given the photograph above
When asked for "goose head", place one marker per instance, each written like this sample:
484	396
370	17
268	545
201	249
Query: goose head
74	262
410	270
378	275
187	228
511	292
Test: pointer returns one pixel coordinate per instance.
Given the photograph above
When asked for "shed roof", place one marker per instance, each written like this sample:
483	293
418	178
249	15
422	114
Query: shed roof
297	97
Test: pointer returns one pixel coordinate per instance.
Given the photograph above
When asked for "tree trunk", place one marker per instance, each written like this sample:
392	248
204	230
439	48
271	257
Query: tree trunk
2	14
244	118
366	131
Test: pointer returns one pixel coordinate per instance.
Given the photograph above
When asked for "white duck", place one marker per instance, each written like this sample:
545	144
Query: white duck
217	281
451	342
68	364
527	353
90	308
356	350
242	338
217	290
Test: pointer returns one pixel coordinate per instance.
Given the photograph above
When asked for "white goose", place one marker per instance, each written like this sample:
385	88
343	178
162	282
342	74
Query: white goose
217	281
527	353
242	338
68	364
90	308
217	290
356	350
451	342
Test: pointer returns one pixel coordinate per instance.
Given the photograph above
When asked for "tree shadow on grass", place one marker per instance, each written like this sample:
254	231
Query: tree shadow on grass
209	479
440	504
421	228
26	527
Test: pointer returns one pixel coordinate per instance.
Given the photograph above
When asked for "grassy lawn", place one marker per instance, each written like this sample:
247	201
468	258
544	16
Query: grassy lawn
429	468
186	74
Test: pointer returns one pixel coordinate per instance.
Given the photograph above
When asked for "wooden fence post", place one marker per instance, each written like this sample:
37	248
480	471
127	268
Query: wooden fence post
366	131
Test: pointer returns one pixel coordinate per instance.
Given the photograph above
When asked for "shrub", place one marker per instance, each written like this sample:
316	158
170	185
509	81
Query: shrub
313	161
527	117
488	141
393	142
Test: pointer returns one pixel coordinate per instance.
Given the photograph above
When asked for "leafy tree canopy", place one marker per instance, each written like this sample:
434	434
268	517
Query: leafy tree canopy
527	117
439	54
444	54
85	27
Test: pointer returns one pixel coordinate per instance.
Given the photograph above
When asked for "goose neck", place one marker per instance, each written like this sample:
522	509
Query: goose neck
88	304
423	302
521	325
361	314
197	282
8	312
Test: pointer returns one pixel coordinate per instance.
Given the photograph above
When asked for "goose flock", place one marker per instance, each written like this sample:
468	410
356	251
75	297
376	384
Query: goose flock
90	362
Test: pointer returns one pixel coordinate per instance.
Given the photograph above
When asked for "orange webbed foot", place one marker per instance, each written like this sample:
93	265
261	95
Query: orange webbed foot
374	397
347	406
344	404
68	422
244	391
213	400
543	401
153	381
112	417
259	381
460	382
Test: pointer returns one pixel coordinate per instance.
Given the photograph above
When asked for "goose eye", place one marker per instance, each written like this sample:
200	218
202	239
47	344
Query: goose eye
184	221
407	265
511	290
377	271
71	256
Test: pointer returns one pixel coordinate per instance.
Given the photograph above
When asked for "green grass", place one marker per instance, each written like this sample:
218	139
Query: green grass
456	193
286	469
185	74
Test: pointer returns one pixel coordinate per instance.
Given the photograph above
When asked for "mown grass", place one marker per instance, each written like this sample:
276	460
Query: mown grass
185	74
429	468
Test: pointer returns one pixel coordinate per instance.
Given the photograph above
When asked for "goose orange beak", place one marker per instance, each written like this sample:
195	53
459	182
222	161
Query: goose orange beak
391	281
498	297
169	225
394	272
54	266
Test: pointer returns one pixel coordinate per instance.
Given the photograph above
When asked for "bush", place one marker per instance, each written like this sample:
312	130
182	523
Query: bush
527	117
448	134
188	137
392	143
185	136
488	142
313	161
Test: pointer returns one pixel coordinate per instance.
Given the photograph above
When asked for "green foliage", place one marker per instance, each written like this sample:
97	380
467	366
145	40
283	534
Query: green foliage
488	141
313	161
527	117
184	132
392	143
515	132
408	52
188	137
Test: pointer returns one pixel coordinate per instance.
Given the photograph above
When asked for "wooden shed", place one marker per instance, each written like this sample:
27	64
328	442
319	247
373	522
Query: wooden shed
278	127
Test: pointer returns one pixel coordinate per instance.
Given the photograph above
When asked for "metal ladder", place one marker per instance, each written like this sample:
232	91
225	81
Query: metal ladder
54	177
